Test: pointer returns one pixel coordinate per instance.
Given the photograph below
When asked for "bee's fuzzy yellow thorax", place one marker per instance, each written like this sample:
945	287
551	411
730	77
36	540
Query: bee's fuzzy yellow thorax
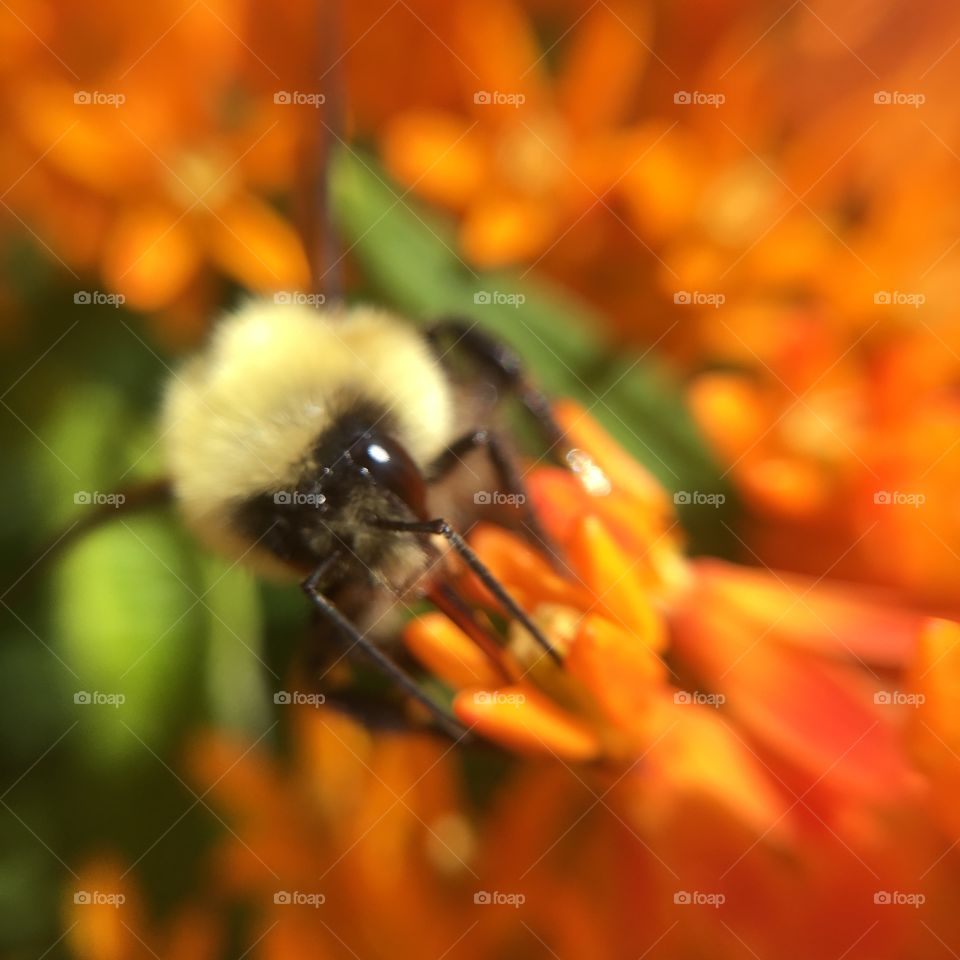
239	419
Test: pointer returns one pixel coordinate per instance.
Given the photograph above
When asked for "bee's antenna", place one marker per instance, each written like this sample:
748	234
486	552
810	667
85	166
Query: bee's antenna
443	529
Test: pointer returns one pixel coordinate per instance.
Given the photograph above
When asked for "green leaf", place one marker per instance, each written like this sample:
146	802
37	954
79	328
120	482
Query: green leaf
131	632
235	672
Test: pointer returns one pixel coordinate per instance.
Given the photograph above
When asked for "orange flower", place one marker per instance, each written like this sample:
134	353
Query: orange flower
854	472
521	162
705	693
935	724
824	377
787	237
723	757
638	625
153	159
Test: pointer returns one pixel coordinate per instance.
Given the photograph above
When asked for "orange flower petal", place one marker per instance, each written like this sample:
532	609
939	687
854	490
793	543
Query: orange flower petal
257	246
151	256
616	581
934	721
435	152
785	486
85	143
517	565
816	711
936	675
830	620
582	431
662	188
559	499
499	47
699	757
600	75
730	411
445	650
618	670
99	927
503	230
528	722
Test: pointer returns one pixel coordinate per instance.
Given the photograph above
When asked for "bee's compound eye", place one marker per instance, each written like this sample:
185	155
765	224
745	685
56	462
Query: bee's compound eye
390	466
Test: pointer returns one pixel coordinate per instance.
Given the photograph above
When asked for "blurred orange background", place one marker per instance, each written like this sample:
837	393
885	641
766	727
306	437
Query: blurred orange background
763	196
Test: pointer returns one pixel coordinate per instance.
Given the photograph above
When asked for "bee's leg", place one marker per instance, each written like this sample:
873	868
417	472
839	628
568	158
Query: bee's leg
505	365
396	673
374	714
323	652
508	477
440	527
446	599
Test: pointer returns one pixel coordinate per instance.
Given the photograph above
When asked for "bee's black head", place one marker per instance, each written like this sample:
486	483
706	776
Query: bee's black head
357	472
